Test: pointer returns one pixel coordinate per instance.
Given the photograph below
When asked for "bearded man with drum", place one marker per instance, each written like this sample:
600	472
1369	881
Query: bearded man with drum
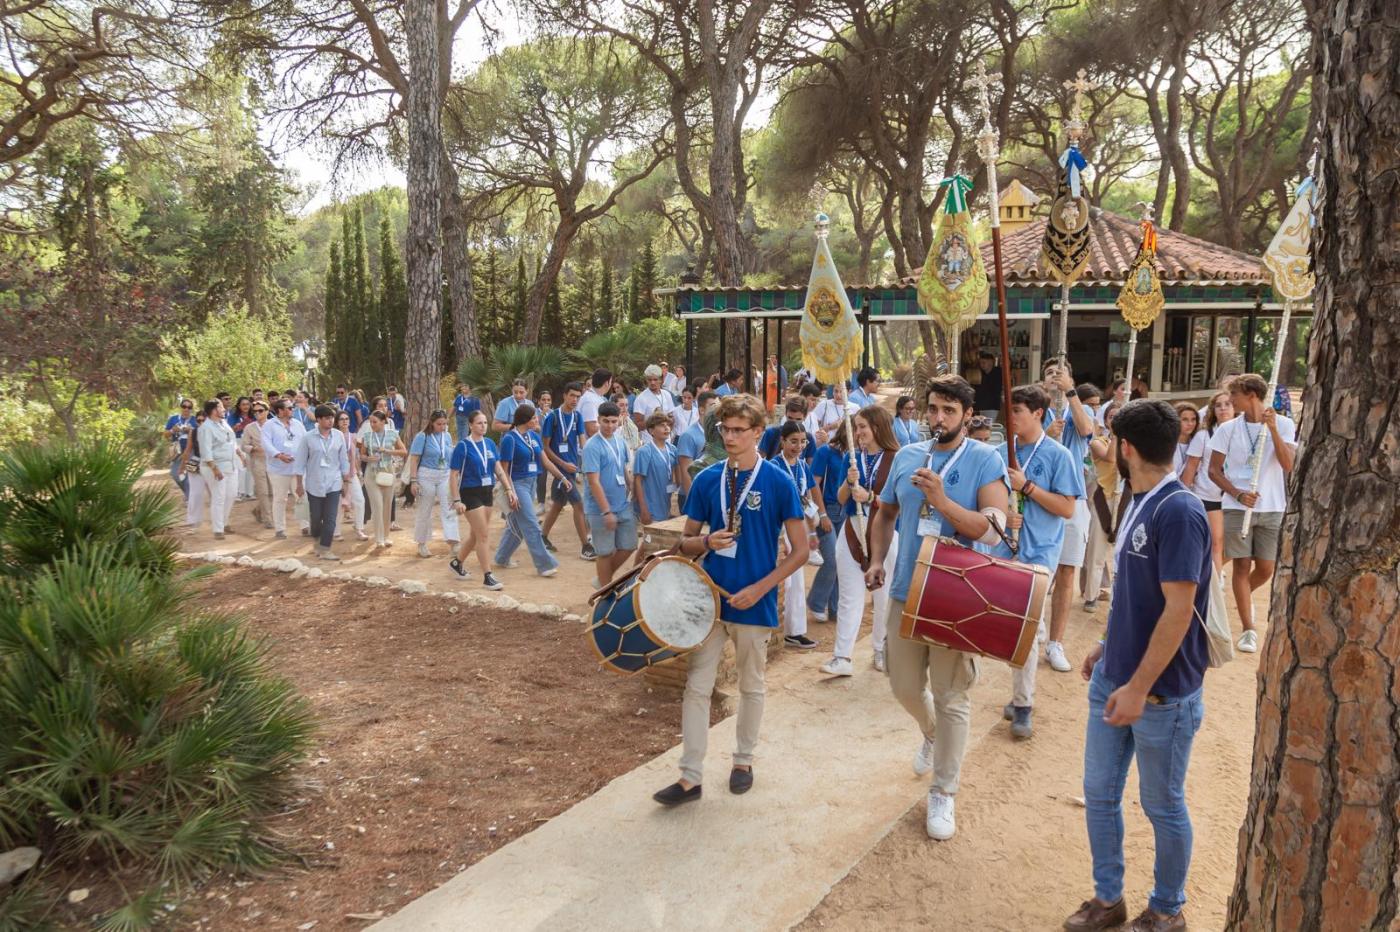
950	486
745	503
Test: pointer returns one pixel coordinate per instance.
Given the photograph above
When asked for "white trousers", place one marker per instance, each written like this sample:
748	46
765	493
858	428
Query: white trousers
850	605
283	487
199	496
794	605
244	476
433	491
1023	680
357	502
221	495
1098	561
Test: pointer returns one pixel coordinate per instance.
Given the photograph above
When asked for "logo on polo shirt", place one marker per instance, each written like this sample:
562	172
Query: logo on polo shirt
754	501
1037	470
953	477
1139	538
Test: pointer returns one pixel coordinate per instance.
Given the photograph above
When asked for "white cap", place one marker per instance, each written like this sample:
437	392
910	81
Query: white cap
652	372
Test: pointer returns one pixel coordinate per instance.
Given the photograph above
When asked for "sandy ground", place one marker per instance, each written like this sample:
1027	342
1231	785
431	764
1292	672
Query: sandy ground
1020	860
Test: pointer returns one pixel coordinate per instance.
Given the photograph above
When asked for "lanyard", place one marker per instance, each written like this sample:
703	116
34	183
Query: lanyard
731	515
569	428
1257	439
525	439
480	448
867	471
947	467
612	450
378	443
328	444
1135	509
1026	463
799	477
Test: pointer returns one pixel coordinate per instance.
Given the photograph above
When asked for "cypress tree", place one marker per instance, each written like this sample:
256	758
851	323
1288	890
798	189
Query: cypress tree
361	301
393	304
487	271
552	328
335	323
518	299
646	272
607	317
633	311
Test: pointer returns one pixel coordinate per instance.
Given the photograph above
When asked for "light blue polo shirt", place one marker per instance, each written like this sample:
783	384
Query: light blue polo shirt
505	411
1052	467
978	466
607	456
771	502
434	452
657	469
1071	438
692	442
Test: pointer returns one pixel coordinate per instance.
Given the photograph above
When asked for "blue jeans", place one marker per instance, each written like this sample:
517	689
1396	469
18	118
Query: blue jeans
523	525
462	429
825	592
322	511
180	478
1161	741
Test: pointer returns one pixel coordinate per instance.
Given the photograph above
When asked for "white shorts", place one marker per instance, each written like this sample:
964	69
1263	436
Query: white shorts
1076	536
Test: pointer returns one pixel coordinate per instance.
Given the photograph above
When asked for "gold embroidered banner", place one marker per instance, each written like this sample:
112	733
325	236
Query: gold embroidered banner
953	287
1141	299
830	332
1287	257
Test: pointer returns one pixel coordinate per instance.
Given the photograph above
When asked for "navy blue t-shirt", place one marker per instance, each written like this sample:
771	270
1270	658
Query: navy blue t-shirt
771	502
1167	540
830	465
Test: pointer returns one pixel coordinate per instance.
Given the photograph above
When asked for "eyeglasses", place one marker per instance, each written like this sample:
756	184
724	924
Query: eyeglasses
979	422
186	407
728	431
259	410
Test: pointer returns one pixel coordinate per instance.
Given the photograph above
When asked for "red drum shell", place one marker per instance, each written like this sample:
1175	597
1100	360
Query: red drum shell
971	602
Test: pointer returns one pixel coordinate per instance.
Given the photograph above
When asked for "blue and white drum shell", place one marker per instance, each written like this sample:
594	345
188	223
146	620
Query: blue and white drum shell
660	610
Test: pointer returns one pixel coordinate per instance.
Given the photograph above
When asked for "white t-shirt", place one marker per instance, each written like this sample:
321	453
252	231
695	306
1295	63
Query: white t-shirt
828	411
588	404
1205	489
671	383
683	419
1234	439
647	402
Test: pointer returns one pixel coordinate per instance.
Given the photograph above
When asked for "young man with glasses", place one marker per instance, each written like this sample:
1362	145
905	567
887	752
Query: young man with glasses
745	503
178	428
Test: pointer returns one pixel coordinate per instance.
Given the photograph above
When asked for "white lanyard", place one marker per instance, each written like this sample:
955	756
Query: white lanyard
1134	509
329	447
569	428
1026	463
1254	443
724	489
799	477
613	455
480	447
957	455
525	439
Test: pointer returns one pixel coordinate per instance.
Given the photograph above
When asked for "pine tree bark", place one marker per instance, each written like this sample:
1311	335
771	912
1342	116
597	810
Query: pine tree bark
1320	844
465	335
423	249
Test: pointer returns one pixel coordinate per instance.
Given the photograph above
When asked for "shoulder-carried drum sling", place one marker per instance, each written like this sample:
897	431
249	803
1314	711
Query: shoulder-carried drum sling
965	600
662	609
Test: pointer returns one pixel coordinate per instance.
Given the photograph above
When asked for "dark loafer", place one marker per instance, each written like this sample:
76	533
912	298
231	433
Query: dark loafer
740	781
1093	916
1151	922
675	794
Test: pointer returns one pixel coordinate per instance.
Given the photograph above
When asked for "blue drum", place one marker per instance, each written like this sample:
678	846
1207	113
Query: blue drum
660	610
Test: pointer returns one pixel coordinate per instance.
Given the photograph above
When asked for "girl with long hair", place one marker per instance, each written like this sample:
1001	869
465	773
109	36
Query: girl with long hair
523	449
352	503
476	468
1196	477
1190	423
428	460
380	449
876	447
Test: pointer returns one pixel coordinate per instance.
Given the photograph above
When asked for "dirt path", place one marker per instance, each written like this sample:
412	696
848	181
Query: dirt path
1020	860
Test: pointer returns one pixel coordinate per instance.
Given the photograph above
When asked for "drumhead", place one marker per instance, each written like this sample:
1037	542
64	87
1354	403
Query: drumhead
677	603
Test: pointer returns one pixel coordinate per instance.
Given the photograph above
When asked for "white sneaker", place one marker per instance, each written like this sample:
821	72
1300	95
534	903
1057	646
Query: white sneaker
551	572
1055	653
814	558
923	760
838	666
879	660
423	551
939	822
1249	641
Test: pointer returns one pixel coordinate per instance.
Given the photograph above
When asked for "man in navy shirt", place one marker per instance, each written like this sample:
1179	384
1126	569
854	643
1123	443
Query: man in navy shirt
771	443
1145	676
563	443
351	406
462	407
745	502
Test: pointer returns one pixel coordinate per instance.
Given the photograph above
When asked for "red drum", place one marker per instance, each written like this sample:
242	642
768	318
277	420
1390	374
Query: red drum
972	602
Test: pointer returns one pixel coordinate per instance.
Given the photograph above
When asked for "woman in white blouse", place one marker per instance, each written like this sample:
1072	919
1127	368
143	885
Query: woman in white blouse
218	452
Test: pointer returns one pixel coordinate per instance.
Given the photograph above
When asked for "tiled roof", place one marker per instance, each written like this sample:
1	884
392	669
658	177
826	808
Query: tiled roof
1113	245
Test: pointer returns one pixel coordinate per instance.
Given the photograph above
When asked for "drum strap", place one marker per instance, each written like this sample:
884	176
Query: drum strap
860	545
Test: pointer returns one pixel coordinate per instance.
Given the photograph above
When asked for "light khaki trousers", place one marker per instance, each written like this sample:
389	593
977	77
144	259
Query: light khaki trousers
751	657
932	683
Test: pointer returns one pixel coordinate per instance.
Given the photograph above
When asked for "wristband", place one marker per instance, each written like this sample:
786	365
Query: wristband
706	541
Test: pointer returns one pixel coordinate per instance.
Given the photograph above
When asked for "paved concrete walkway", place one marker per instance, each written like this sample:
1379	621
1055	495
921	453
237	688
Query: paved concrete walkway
833	775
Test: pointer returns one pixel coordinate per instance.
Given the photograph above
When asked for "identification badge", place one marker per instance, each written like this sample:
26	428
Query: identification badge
563	448
531	469
672	488
930	527
729	552
325	463
621	480
811	510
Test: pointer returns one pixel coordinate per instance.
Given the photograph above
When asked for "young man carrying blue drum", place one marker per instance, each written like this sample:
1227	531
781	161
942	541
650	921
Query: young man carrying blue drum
1046	485
745	502
949	486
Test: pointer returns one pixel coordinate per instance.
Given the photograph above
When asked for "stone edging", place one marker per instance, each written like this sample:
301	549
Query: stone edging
299	570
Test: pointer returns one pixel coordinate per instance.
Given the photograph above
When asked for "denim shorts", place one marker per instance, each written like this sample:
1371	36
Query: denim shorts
622	537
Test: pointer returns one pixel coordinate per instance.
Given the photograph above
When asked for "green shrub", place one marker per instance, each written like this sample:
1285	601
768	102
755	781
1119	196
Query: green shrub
137	728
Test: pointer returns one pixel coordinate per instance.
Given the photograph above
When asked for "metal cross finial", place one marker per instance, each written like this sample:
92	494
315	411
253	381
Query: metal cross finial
1081	85
985	83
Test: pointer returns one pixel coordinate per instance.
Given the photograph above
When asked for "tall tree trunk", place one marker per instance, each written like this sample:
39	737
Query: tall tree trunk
423	250
548	274
1176	152
1320	844
458	262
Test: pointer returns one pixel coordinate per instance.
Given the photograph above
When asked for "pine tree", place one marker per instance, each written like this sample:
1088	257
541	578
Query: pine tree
646	274
334	315
393	304
518	302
